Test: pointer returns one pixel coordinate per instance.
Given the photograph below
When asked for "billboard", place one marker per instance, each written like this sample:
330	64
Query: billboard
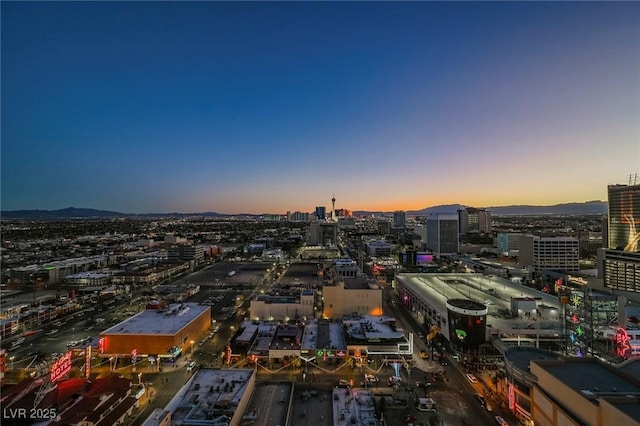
423	259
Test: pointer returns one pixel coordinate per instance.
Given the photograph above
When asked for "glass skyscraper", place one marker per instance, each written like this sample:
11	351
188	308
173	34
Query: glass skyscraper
624	217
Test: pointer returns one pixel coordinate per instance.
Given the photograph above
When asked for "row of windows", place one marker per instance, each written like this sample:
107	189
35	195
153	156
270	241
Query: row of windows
622	276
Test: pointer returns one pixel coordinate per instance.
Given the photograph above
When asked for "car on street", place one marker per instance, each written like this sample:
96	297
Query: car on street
409	418
394	380
472	378
501	421
480	399
371	378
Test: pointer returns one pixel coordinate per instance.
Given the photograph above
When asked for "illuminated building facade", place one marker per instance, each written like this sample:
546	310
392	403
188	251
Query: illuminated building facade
351	295
619	264
467	324
590	316
164	333
624	217
621	271
597	325
283	306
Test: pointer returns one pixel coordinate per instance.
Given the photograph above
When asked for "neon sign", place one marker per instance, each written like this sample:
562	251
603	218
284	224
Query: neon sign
622	342
87	361
576	300
101	345
512	397
61	367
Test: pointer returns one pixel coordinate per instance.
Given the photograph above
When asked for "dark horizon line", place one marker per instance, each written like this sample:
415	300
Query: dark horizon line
264	213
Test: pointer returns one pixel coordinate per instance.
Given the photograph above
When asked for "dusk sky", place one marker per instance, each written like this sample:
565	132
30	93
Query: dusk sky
267	107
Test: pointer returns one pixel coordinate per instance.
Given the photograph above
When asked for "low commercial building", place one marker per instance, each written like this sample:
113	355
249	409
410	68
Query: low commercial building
283	305
161	333
354	407
379	248
375	335
351	295
150	275
210	397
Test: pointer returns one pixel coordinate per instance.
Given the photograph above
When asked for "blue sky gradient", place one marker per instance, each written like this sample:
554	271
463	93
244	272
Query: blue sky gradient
274	106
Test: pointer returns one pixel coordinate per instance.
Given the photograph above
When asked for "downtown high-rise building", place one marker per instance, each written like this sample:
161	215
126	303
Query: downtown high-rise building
619	261
399	219
321	213
624	217
474	220
442	233
560	254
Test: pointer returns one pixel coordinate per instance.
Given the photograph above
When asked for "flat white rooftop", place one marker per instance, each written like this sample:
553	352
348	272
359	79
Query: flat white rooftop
372	327
354	407
160	322
210	397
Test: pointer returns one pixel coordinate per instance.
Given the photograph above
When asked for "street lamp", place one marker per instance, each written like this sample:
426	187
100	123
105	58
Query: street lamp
192	347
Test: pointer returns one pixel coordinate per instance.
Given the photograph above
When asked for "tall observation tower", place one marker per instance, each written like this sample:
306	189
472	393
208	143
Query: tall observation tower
333	208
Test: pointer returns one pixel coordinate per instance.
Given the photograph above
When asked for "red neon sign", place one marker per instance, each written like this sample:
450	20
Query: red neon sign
512	397
101	345
622	342
87	362
61	367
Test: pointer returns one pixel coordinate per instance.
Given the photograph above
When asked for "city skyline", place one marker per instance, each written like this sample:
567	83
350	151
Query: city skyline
267	107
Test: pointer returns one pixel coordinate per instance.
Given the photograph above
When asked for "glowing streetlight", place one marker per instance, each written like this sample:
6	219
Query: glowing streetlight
192	346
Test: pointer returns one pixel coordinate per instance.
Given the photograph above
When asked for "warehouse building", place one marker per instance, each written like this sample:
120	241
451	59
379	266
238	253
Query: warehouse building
165	332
